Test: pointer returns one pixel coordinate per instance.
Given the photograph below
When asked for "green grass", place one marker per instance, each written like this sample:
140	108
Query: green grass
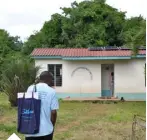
81	120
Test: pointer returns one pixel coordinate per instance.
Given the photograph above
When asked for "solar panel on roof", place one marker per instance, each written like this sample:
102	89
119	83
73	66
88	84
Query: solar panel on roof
112	48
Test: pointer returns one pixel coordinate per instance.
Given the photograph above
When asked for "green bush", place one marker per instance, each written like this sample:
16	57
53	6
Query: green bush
16	76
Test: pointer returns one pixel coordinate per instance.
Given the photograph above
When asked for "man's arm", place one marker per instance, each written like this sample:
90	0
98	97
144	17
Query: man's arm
54	108
53	117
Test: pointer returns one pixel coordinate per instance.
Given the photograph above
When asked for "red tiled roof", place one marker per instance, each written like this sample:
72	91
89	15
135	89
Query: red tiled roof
81	52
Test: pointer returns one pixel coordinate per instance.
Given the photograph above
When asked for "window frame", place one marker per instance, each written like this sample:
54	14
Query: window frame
55	73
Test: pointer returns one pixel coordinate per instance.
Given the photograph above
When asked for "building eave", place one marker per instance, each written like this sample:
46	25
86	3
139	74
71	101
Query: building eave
47	57
90	57
97	58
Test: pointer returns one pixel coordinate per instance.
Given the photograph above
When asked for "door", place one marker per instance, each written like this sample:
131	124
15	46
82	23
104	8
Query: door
107	80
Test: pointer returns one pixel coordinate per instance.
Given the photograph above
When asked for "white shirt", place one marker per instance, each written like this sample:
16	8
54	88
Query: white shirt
49	102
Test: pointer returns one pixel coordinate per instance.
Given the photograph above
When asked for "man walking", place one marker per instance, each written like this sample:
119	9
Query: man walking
49	105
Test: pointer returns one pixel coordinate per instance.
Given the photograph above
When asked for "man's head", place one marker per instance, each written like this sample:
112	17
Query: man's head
46	77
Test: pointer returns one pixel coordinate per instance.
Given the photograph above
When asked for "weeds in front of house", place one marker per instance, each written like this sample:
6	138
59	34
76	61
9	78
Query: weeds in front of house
82	121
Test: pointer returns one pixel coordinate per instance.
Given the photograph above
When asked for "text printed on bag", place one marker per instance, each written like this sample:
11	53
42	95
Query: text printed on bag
27	111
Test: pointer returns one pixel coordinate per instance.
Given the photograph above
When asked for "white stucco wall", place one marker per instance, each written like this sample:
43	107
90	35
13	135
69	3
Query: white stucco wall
129	75
81	81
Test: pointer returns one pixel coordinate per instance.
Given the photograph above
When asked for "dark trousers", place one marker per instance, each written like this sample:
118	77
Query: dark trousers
48	137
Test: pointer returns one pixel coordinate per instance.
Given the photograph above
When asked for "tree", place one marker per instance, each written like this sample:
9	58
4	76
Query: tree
89	23
135	33
8	45
16	76
86	24
35	41
135	30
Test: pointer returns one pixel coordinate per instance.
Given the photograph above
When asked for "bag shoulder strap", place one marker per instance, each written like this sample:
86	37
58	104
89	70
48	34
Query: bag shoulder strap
35	89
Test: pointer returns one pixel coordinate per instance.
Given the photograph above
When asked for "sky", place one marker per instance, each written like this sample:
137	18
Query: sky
23	17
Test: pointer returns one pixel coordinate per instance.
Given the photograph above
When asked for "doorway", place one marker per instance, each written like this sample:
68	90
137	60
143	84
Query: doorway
107	80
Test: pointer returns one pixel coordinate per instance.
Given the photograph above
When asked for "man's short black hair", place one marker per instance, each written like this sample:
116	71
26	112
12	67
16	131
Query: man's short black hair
45	75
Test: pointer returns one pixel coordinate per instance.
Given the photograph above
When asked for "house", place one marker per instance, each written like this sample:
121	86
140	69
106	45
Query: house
94	72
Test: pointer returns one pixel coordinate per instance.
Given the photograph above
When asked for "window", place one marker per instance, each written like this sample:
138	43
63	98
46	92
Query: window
56	70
